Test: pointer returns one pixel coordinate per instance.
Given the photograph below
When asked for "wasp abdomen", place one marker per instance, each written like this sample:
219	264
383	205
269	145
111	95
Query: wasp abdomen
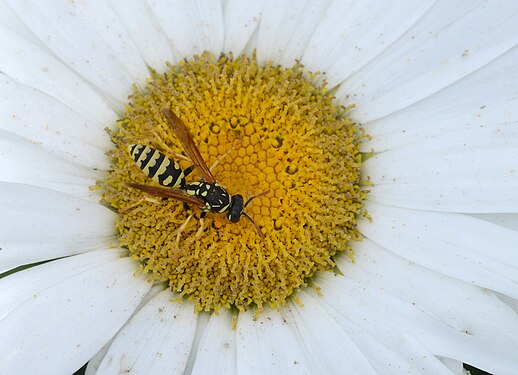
157	166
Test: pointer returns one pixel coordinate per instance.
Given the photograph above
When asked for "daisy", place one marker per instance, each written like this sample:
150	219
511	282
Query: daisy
432	285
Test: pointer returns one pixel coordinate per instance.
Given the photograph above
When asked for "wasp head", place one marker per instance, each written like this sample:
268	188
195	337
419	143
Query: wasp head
236	208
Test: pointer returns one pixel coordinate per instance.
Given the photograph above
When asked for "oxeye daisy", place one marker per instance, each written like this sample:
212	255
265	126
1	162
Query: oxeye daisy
265	187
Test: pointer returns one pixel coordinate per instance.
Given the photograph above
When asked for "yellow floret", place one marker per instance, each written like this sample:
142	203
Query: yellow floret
278	131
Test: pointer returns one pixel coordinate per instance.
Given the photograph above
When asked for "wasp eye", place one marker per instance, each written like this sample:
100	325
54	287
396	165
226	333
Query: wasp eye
234	214
233	217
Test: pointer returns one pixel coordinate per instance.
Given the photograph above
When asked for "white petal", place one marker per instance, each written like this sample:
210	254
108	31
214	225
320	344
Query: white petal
95	361
352	33
157	340
20	286
192	26
450	197
483	104
509	221
202	322
217	348
285	29
360	311
447	44
475	179
475	162
43	120
511	302
465	323
240	22
89	38
452	244
62	323
26	63
144	31
456	367
29	234
24	162
10	20
326	345
266	345
490	134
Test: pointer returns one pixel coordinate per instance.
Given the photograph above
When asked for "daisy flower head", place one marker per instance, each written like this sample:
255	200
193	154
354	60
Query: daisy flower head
378	142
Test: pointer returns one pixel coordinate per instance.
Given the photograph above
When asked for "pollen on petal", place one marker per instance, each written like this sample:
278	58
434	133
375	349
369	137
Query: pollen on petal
266	128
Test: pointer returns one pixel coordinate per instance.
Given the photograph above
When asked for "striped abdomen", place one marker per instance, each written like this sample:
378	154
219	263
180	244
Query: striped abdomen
157	166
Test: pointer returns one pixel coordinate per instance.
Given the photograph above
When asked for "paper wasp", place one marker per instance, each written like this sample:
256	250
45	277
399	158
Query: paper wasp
207	195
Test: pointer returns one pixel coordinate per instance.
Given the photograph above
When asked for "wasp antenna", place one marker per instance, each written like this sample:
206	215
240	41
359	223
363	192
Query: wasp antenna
256	196
259	232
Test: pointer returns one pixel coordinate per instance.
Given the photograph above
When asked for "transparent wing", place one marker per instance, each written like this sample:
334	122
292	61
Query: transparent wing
185	137
168	193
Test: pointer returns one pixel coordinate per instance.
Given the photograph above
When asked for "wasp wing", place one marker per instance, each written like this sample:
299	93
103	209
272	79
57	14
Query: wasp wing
168	193
185	137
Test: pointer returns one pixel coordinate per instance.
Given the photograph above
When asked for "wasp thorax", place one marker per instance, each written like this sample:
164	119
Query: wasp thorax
270	135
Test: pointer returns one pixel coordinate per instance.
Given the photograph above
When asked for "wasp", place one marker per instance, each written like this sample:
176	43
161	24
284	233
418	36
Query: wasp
207	195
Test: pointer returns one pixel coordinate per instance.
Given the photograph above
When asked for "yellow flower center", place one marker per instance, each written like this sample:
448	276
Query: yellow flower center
270	129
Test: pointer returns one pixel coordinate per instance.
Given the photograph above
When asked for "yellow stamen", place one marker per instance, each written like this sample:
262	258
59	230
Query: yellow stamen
277	131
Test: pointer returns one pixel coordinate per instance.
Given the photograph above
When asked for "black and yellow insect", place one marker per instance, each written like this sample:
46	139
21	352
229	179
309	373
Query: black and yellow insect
207	194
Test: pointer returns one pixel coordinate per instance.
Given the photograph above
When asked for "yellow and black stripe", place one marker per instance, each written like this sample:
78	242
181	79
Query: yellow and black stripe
157	166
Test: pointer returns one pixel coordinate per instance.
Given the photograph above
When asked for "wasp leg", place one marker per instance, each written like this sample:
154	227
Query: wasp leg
138	203
200	229
182	228
187	171
202	226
